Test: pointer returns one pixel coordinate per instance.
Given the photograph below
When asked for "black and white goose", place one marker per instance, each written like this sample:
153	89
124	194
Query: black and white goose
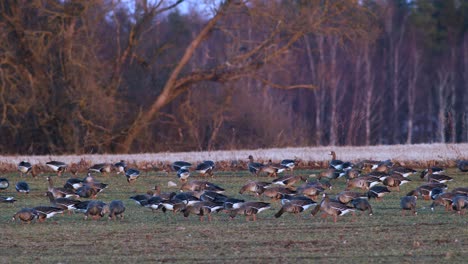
177	165
22	187
183	174
205	168
57	166
250	210
44	212
63	203
24	168
295	205
132	175
120	166
103	168
289	164
254	167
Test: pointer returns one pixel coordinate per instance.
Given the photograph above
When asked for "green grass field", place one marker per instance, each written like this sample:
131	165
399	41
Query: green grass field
144	236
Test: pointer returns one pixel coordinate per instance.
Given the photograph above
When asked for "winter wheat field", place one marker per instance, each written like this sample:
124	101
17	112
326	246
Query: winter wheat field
145	236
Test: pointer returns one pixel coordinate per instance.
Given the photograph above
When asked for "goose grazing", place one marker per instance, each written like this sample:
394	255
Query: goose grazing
44	212
250	210
362	204
276	192
22	187
232	203
62	203
82	206
395	181
289	180
96	209
271	169
57	166
25	167
255	187
25	215
311	190
116	208
330	174
59	192
183	174
289	164
141	199
254	167
7	199
120	166
177	165
210	196
461	190
4	184
425	189
462	165
102	168
345	197
295	205
377	192
132	175
357	183
73	184
443	199
408	203
201	209
198	186
332	208
205	168
87	191
403	171
438	178
460	203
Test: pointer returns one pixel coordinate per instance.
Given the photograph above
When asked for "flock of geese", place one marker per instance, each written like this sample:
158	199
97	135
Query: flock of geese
365	180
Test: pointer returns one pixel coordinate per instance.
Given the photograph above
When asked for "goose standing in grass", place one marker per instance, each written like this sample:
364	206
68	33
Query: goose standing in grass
59	192
254	167
335	163
345	197
183	174
201	209
177	165
311	190
395	181
120	166
443	199
25	167
141	199
408	203
362	204
403	171
132	175
256	187
289	180
205	168
44	212
7	199
102	168
250	210
4	184
22	187
25	215
65	204
332	208
57	166
289	164
460	203
96	209
116	208
377	192
295	205
462	165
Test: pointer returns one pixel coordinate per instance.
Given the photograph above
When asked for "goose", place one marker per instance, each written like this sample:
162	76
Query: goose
254	167
460	203
65	204
345	197
177	165
103	168
425	189
461	190
22	187
89	181
332	208
187	198
201	186
7	199
154	203
96	209
256	187
183	174
57	166
438	178
44	212
330	173
352	174
377	192
435	170
201	209
404	171
73	184
276	192
163	195
120	166
311	190
443	199
132	175
4	184
362	204
295	205
82	206
25	167
87	191
334	163
408	203
205	168
59	192
462	165
394	181
289	180
210	196
25	215
250	210
232	203
357	183
289	164
141	199
116	208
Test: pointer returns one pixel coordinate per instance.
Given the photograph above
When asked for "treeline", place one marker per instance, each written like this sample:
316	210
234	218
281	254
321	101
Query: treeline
106	77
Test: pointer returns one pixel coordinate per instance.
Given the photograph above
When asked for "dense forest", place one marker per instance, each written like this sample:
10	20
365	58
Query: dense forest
110	76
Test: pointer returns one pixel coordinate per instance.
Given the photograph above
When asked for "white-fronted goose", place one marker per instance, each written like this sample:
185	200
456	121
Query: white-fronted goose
177	165
395	181
57	166
403	171
120	166
201	186
345	197
59	192
462	165
103	168
357	183
443	199
44	212
276	192
96	209
256	187
132	175
289	164
250	210
438	178
330	174
205	168
460	203
425	189
183	174
25	215
362	204
377	192
7	199
332	208
116	208
461	190
141	198
335	163
25	167
65	204
254	167
408	203
296	205
289	180
201	209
